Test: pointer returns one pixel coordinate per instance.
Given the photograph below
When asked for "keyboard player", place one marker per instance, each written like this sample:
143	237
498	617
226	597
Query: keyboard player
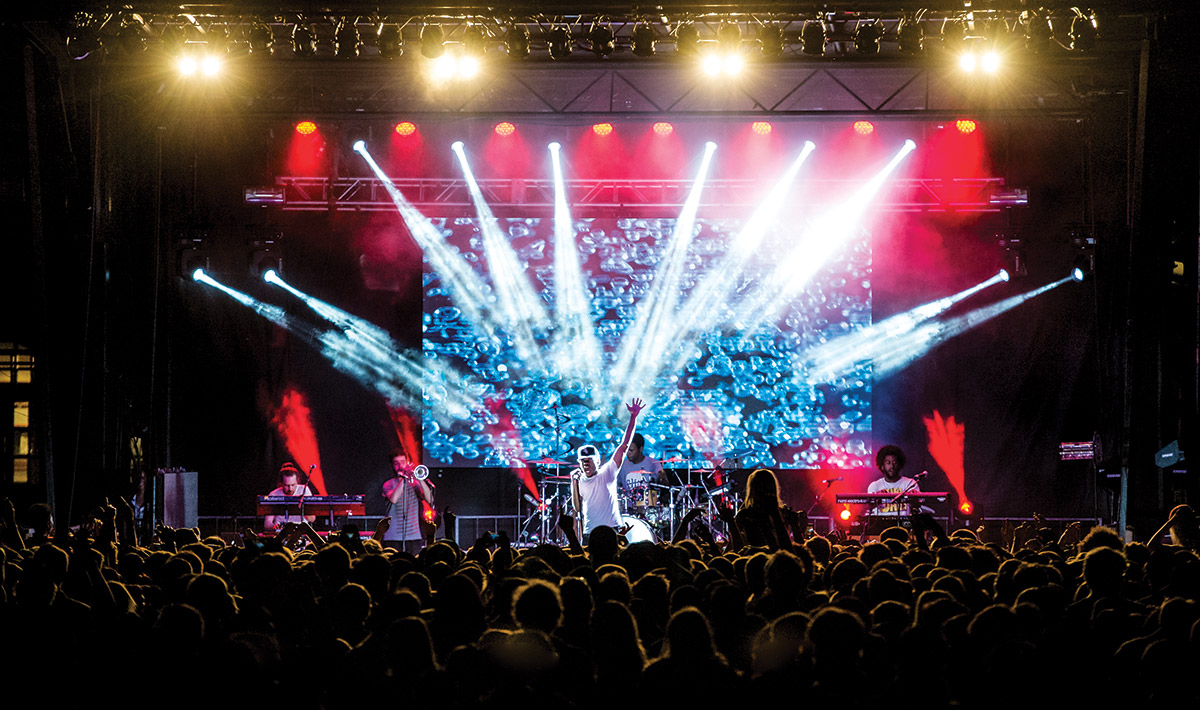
890	460
289	485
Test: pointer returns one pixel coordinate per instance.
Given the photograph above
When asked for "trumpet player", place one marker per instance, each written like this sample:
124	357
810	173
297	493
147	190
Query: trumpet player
410	505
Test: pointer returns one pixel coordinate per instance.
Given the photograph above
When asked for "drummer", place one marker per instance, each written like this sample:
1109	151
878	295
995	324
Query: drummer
638	472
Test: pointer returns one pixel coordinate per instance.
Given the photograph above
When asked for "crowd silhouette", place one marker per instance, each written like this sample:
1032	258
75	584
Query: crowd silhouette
988	618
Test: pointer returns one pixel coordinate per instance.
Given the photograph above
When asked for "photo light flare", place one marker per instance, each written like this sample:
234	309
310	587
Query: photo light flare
576	348
832	360
818	242
636	360
467	290
703	307
292	419
516	303
921	340
947	440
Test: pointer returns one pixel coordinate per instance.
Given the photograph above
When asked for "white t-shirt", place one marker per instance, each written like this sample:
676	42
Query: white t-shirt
642	472
599	495
290	517
883	485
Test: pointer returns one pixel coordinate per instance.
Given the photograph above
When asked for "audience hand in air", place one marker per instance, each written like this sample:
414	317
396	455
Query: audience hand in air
635	406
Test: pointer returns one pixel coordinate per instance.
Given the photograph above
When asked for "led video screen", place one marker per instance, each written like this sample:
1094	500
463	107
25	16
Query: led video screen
728	387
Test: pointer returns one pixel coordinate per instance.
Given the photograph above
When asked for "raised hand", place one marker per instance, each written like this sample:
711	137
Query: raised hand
635	406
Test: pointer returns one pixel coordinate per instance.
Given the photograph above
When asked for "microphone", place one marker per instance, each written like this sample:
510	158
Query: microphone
827	481
920	475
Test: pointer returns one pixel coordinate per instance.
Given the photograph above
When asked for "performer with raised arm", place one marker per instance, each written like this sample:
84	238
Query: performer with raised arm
289	485
594	486
405	494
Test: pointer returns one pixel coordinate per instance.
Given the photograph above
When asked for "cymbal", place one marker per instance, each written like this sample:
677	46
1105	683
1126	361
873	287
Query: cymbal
675	460
549	462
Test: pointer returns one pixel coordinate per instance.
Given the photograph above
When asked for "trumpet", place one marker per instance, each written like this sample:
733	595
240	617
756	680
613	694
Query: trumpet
421	472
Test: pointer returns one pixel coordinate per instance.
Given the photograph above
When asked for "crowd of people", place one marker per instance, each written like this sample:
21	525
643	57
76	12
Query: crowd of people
920	617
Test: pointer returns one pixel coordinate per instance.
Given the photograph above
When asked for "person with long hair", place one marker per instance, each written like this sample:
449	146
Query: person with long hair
763	521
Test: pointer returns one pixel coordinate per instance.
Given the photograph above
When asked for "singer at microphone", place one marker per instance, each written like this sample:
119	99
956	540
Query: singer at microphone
890	460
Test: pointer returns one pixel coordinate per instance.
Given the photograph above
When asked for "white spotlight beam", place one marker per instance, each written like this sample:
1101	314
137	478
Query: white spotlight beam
819	241
839	357
709	301
647	341
576	349
517	305
468	292
927	337
367	353
273	313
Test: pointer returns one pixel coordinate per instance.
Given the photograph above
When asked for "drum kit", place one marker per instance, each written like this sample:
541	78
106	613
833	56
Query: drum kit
651	512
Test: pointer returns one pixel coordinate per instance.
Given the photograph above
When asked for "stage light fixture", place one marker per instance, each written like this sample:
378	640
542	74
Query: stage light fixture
911	36
845	515
732	64
406	128
687	40
1039	33
198	274
1003	275
761	128
554	146
867	36
643	40
468	67
130	39
433	41
966	507
306	128
1078	274
864	128
210	65
270	276
662	128
558	42
966	62
261	40
265	257
391	45
444	67
359	146
474	41
504	128
188	66
990	61
304	40
954	34
965	125
346	40
1083	31
457	147
602	40
712	64
516	41
602	129
813	38
729	37
770	40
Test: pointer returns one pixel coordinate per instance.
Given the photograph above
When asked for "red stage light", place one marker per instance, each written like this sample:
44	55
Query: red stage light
663	128
864	128
602	129
965	126
845	514
762	128
966	507
504	128
406	128
306	128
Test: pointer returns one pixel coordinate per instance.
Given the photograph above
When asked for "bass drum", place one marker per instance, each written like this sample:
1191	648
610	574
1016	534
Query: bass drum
639	530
